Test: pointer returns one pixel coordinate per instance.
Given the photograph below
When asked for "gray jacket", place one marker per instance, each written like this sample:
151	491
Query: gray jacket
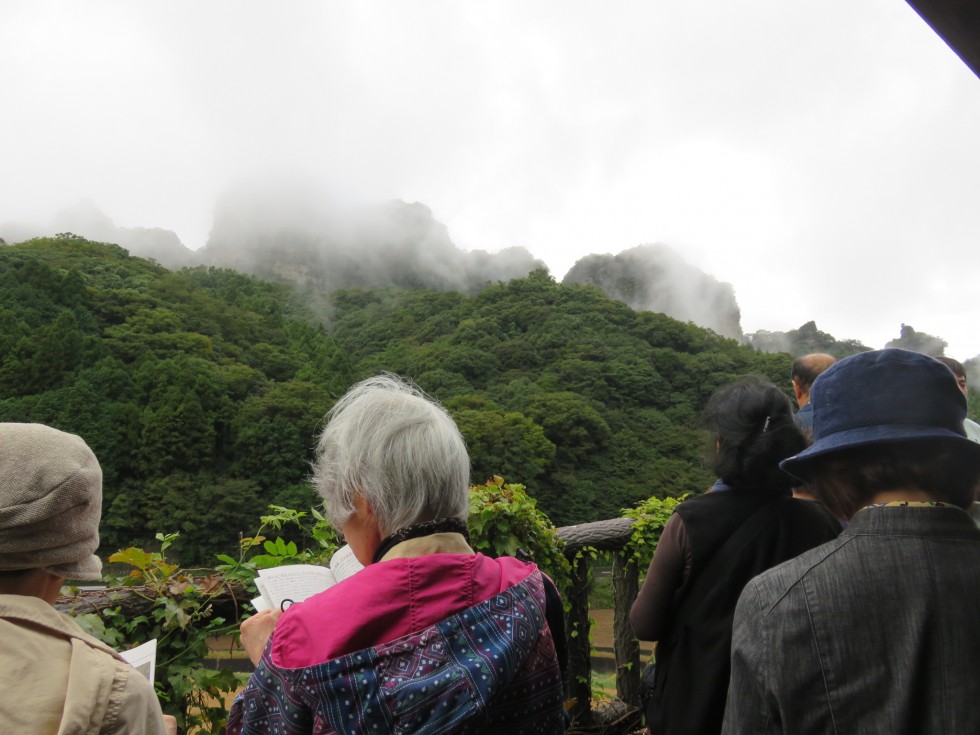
875	632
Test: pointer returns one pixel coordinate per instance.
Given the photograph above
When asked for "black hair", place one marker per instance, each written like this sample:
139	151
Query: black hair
751	422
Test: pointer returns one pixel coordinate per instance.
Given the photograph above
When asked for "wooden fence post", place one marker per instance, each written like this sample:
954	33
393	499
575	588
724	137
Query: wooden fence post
579	645
627	648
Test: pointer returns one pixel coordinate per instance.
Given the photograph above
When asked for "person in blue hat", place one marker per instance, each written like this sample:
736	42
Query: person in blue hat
877	631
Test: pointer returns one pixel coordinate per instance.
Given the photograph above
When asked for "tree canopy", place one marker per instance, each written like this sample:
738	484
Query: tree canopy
201	390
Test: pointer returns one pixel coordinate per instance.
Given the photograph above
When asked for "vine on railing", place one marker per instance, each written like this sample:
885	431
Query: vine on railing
631	541
649	518
504	521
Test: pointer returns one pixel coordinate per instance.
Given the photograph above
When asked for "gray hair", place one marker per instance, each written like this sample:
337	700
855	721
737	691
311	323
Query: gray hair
399	449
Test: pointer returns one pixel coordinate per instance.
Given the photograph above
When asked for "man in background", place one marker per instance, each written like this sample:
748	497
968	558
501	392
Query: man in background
971	427
805	371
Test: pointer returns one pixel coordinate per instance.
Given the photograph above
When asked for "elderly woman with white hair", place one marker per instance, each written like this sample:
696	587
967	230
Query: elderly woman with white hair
430	637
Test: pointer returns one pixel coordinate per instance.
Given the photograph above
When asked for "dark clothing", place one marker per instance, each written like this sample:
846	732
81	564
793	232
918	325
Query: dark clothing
652	611
875	632
804	419
693	652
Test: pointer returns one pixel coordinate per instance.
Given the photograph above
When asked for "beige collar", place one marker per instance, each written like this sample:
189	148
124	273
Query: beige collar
39	614
436	543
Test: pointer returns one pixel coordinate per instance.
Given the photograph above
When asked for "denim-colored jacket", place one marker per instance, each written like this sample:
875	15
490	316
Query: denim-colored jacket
875	632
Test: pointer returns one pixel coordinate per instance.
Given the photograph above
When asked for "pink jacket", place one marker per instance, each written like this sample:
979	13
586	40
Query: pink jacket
386	601
424	643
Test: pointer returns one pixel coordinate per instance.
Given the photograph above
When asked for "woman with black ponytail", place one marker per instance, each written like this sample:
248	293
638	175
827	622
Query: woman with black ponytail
713	545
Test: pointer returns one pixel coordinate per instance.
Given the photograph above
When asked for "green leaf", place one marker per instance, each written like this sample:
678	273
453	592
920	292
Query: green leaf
134	557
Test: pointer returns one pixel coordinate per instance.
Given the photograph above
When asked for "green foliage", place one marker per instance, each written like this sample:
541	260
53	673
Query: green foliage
617	395
649	519
181	618
504	519
200	391
501	442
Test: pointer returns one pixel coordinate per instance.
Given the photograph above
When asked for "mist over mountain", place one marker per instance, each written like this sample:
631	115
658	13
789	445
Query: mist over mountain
656	278
400	244
291	231
87	220
927	344
328	247
285	230
805	340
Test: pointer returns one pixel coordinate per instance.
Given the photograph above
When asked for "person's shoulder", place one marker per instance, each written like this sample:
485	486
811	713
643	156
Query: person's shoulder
772	587
133	707
42	616
812	511
374	580
706	501
385	601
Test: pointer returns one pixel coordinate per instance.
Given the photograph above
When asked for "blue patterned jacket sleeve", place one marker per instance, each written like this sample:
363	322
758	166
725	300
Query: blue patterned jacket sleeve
270	703
491	668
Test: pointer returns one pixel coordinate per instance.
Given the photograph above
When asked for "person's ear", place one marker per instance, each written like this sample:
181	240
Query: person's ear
797	390
362	506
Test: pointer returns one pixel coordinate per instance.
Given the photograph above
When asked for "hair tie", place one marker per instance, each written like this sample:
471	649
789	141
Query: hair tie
765	425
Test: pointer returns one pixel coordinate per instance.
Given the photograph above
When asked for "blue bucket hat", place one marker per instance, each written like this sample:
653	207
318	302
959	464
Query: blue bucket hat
883	397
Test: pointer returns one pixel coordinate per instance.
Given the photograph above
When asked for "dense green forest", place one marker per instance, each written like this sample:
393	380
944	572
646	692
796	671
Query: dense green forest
201	390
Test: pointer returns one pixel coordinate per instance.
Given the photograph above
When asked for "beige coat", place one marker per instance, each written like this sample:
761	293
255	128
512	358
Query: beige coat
55	679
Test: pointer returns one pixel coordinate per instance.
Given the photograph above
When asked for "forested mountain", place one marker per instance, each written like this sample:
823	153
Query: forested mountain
86	219
909	339
286	231
656	278
201	390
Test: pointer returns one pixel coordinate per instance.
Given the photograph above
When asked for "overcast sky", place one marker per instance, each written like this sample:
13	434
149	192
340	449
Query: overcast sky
824	158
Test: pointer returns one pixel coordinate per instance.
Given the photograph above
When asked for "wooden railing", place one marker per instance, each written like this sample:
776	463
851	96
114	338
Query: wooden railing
613	536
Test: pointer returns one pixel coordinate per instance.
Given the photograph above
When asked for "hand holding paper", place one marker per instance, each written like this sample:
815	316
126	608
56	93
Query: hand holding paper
256	631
